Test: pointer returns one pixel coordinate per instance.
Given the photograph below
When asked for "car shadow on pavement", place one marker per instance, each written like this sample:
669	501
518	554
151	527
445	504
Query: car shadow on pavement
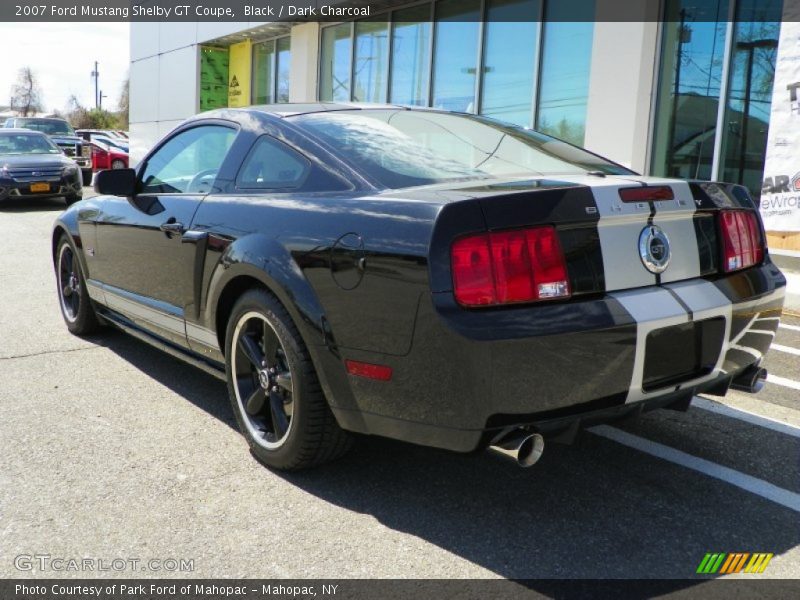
198	387
594	509
32	205
591	510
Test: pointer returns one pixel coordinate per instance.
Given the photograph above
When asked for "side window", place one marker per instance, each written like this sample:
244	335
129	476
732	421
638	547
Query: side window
188	162
272	165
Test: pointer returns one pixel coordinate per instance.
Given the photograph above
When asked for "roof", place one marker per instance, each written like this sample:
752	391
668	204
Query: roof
296	108
20	130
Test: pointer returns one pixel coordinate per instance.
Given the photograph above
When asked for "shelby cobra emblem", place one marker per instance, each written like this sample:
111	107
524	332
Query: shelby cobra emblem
654	249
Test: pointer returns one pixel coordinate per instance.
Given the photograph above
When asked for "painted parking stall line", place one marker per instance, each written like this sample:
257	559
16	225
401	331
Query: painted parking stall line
754	485
783	381
786	349
788	326
746	416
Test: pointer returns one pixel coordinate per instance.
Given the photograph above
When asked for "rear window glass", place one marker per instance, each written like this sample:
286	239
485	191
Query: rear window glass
401	148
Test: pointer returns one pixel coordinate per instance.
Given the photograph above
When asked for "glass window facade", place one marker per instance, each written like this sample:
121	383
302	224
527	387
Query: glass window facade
270	80
456	54
411	56
479	56
263	72
511	40
283	63
371	61
754	51
565	65
693	49
336	54
694	96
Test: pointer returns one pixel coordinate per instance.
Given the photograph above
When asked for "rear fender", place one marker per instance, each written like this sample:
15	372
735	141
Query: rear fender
268	262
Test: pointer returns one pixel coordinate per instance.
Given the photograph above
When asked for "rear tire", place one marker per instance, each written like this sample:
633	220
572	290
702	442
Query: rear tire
274	390
73	297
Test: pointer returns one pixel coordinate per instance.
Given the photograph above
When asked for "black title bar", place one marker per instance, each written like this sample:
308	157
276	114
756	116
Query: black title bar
32	11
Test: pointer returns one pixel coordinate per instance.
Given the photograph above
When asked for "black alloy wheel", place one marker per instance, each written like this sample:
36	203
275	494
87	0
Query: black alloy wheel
273	387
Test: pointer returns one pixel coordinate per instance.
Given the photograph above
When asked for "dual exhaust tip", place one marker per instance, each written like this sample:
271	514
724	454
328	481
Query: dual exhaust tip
520	446
526	448
752	380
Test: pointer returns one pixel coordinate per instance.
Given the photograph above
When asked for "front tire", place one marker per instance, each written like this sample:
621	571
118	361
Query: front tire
72	199
73	297
118	164
274	390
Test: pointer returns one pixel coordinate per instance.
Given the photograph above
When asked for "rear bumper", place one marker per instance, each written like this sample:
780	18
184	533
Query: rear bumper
470	373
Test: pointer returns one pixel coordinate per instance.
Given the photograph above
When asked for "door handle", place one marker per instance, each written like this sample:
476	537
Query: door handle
171	226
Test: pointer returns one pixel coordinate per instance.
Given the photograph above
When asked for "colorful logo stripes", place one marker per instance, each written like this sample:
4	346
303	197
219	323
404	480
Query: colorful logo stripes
727	563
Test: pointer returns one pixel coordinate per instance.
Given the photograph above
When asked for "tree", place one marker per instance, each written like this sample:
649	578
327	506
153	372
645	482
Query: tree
26	93
124	103
81	117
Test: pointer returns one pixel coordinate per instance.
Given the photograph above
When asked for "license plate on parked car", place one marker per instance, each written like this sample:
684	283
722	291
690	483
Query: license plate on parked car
40	187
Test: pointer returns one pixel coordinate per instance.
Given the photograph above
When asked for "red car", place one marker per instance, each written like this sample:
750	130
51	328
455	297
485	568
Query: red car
105	157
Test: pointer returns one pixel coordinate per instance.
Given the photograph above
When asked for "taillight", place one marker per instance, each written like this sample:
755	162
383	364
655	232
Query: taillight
509	267
742	245
649	193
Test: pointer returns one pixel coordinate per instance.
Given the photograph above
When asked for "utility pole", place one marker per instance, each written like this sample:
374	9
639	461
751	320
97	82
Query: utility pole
102	95
96	76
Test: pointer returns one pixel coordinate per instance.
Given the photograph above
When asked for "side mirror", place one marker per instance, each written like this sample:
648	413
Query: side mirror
116	182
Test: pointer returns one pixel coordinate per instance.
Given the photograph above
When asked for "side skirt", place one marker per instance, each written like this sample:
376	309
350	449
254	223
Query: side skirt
210	367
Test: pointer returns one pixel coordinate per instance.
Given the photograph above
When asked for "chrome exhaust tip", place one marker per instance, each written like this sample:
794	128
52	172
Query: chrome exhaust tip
752	380
522	447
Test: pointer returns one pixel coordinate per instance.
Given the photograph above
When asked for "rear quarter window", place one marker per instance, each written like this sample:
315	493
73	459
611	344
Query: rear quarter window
275	166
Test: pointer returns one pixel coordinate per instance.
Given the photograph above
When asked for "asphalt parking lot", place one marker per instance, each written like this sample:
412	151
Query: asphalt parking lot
112	449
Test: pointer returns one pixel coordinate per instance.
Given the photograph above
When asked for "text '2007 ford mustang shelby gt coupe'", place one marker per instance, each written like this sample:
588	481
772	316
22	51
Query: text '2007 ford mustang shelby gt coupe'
438	278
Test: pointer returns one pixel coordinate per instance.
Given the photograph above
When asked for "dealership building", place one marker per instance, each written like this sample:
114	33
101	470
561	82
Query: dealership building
682	88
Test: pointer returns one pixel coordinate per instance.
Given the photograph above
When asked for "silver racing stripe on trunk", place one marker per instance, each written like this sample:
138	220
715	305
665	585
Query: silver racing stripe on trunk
621	223
619	227
676	219
659	307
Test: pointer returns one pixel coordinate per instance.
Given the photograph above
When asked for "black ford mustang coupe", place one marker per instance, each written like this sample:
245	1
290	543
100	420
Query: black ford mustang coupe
438	278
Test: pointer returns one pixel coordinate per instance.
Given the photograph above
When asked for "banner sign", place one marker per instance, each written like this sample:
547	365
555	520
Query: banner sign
239	70
213	78
780	196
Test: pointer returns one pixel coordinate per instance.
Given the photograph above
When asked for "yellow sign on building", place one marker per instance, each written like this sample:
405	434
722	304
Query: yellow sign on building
239	69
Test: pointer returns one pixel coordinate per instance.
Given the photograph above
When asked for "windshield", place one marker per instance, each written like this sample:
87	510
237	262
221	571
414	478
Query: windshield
401	148
112	143
48	126
26	143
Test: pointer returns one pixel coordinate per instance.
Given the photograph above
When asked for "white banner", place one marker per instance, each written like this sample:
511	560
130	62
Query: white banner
780	198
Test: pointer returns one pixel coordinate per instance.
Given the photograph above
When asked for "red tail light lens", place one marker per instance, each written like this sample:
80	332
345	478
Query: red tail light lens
368	370
742	245
646	194
508	267
472	271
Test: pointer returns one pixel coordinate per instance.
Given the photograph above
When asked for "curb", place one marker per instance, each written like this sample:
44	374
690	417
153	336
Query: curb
788	262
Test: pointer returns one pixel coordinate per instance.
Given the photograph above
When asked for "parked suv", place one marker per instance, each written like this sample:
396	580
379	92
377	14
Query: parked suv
64	136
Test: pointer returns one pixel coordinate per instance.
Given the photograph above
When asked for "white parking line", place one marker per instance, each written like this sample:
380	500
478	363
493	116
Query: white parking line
746	416
786	349
754	485
787	326
789	383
